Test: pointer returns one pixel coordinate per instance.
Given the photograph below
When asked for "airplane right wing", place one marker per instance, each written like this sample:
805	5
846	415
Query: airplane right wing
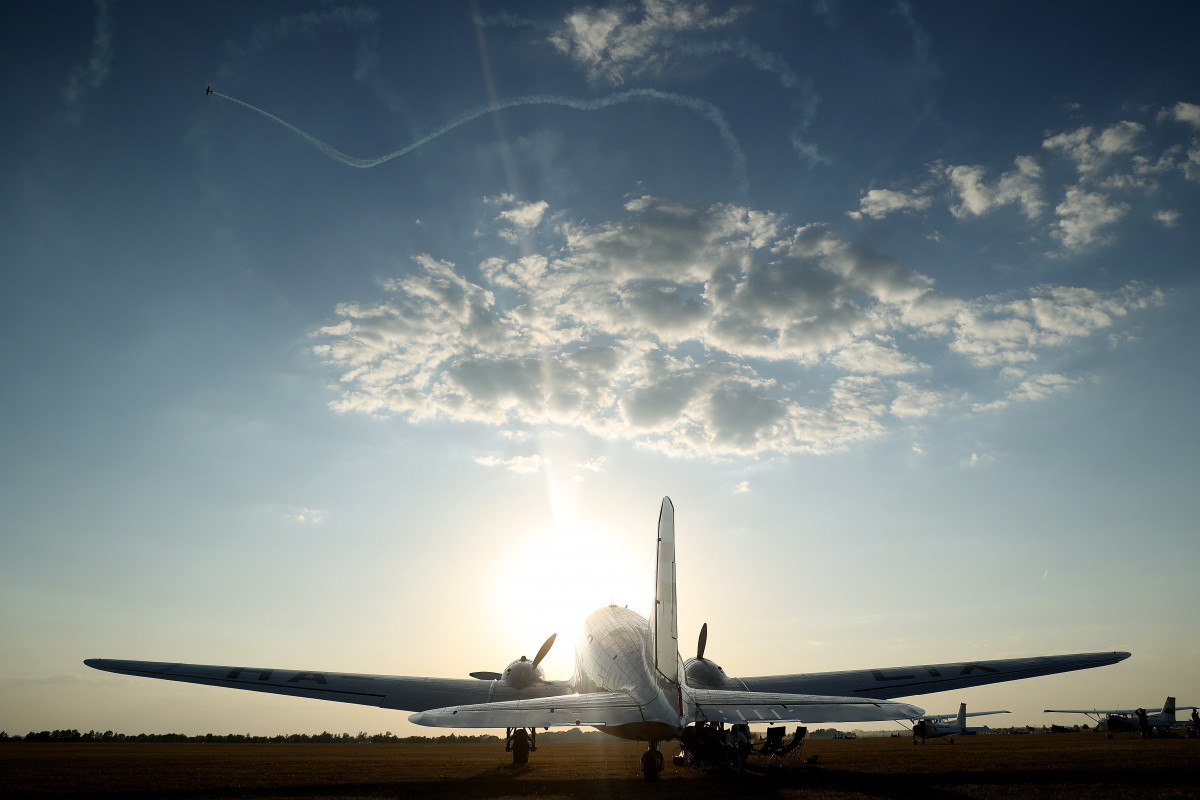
926	678
384	691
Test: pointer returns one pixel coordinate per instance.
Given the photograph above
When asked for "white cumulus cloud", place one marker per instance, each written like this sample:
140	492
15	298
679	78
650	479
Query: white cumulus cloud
690	330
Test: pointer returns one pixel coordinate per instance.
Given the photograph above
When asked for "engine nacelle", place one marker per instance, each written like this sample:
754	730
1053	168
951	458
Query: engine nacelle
523	673
704	674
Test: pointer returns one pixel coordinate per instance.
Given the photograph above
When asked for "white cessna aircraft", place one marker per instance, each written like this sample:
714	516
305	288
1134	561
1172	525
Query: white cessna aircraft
949	725
1122	720
629	681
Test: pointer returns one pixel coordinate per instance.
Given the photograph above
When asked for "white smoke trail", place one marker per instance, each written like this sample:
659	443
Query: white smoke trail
90	76
705	109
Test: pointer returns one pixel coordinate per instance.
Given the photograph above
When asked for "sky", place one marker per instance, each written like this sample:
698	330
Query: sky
382	357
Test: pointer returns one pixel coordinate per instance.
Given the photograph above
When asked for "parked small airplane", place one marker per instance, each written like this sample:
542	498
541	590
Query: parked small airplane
1131	720
629	681
949	725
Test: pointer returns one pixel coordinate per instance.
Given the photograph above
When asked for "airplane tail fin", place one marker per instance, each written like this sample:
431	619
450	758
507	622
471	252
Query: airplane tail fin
664	624
962	716
1168	709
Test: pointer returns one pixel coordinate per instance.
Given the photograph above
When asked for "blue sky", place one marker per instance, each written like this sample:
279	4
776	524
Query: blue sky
896	301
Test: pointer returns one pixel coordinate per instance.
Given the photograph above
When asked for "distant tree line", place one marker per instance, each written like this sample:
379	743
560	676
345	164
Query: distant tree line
324	737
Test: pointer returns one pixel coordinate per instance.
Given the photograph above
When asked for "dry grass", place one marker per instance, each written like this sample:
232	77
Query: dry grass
985	767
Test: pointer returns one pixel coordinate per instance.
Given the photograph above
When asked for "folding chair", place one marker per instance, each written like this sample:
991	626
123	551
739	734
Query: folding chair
791	751
772	744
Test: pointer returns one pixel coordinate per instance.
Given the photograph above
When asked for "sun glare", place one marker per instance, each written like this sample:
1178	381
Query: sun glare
570	570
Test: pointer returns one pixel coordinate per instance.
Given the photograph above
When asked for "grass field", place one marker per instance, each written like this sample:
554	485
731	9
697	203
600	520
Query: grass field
1046	766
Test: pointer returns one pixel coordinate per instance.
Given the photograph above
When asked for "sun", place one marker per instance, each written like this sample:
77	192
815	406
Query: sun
567	571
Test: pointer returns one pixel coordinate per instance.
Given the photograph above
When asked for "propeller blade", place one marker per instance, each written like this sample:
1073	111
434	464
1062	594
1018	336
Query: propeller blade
545	649
703	641
487	676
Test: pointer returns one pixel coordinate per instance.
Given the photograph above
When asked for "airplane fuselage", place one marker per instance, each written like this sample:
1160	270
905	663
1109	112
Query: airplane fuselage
616	653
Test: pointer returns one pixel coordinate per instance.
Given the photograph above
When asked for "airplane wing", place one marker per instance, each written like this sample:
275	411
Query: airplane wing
926	678
384	691
720	705
595	708
948	717
1125	711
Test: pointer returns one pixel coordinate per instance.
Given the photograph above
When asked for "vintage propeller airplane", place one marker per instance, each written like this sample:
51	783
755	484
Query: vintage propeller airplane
629	681
949	725
1130	720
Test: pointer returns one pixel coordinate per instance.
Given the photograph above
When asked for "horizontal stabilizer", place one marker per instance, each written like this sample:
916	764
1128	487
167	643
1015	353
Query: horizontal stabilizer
717	705
595	708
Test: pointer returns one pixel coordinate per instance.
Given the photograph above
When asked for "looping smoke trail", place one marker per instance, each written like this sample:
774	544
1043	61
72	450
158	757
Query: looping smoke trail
705	109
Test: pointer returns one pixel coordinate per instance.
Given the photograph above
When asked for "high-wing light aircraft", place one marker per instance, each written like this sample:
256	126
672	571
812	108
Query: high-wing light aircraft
629	681
949	725
1129	720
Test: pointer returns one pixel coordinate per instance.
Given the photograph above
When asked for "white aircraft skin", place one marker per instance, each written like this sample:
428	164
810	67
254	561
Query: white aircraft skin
1126	719
629	681
949	725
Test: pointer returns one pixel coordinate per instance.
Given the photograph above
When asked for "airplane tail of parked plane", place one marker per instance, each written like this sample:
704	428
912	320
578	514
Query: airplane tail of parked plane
664	621
962	716
1168	710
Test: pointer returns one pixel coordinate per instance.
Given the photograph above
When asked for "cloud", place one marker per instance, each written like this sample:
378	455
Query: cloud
913	402
307	516
1186	112
997	332
979	460
697	331
521	218
878	203
920	39
616	42
742	488
91	75
976	198
1168	217
1039	387
1082	215
518	464
1091	152
594	464
1113	168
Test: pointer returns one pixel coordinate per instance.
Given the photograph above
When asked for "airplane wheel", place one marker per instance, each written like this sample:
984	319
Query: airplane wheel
652	764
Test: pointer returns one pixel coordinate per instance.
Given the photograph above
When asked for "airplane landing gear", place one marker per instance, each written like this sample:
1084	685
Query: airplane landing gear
652	762
520	742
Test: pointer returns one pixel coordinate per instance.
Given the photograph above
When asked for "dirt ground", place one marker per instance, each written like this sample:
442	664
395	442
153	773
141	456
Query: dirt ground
1034	766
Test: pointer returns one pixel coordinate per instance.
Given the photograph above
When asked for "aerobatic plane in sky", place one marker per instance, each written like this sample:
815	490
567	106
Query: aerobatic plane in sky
1132	720
949	725
630	681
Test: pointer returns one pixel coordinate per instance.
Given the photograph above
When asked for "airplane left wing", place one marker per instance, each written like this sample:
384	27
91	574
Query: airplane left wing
925	678
384	691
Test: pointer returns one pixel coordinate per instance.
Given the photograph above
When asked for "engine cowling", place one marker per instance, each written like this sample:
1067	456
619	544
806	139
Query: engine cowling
521	673
700	672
